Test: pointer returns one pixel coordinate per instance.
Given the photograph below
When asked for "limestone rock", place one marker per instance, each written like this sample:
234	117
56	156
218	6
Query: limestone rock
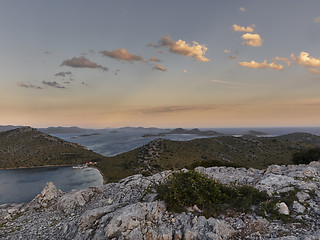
48	196
126	210
298	207
283	208
302	196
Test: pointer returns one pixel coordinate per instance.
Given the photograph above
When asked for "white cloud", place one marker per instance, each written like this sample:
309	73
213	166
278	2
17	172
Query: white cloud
286	60
238	28
196	51
304	59
159	67
316	19
262	65
252	39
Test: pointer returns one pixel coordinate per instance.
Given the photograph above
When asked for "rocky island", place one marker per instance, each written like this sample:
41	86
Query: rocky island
128	209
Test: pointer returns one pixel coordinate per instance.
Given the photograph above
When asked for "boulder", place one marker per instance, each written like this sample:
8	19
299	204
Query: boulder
283	208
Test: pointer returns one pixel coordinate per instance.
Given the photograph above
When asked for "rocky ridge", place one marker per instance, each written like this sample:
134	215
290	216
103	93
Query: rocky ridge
127	210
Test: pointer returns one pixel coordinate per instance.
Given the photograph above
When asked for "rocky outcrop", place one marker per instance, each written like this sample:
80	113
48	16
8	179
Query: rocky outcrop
127	210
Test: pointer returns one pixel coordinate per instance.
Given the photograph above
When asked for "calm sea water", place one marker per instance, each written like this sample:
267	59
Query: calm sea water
22	185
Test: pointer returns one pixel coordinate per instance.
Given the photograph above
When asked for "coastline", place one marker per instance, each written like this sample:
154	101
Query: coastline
65	165
103	177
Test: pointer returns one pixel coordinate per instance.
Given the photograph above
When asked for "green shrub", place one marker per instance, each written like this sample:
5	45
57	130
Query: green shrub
213	163
306	156
186	189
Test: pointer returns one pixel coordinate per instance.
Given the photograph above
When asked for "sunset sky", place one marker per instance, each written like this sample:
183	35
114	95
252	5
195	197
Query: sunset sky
115	63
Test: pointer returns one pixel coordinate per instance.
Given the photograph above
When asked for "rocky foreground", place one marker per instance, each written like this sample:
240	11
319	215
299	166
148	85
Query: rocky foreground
127	210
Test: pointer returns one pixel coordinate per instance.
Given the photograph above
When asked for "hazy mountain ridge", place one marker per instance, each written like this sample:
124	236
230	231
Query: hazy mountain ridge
28	147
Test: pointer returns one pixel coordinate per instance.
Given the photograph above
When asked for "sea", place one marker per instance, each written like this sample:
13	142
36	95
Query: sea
22	185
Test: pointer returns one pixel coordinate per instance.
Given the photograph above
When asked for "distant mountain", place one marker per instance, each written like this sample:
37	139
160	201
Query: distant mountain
195	131
255	133
301	137
139	128
59	130
28	147
8	127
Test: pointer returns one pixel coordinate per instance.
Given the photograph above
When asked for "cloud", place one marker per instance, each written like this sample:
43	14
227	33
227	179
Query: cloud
316	19
21	84
252	39
116	72
286	60
232	57
242	9
263	65
228	83
153	45
174	109
62	74
122	55
238	28
159	67
82	62
313	70
304	59
196	51
154	59
53	84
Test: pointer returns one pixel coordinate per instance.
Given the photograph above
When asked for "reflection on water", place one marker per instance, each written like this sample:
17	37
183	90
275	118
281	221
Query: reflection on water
22	185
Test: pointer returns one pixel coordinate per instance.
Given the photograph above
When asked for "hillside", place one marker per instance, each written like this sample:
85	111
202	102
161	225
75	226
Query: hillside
27	147
131	209
246	151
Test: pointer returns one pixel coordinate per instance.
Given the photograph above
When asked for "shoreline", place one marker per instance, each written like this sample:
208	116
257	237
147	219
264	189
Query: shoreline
65	165
15	168
103	177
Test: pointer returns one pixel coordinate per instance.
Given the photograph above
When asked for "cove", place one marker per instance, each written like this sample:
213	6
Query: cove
22	185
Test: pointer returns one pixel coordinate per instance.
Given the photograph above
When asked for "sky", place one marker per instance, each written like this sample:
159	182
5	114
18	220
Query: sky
115	63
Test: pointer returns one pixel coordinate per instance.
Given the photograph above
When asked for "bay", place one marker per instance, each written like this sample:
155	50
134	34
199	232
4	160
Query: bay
22	185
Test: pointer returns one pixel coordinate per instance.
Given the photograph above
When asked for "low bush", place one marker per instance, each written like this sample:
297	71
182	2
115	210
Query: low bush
186	189
306	156
213	163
